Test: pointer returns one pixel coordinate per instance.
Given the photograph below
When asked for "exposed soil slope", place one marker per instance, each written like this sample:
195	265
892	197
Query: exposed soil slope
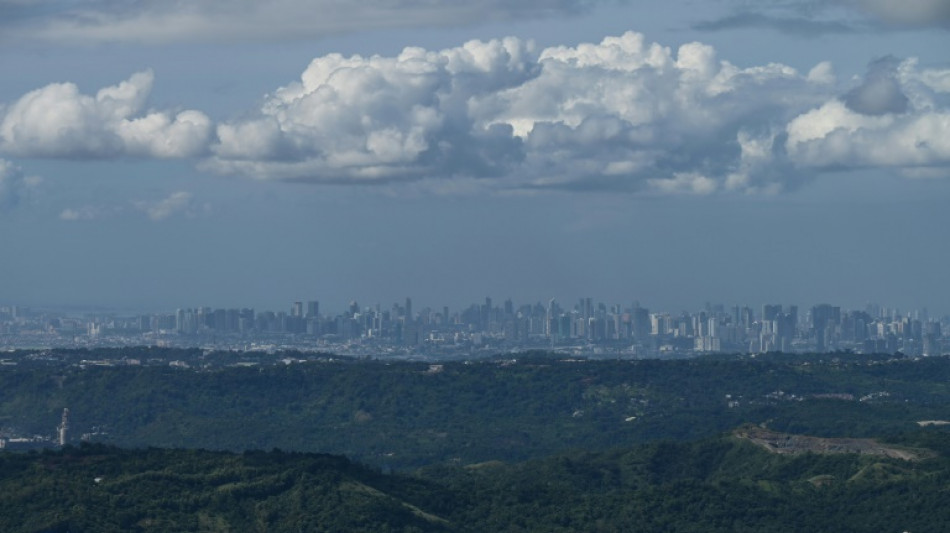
786	443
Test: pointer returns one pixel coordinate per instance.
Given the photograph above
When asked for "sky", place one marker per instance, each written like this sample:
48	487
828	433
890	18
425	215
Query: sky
157	155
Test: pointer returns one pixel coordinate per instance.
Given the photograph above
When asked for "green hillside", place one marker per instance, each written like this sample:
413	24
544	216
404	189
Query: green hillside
100	489
403	415
726	484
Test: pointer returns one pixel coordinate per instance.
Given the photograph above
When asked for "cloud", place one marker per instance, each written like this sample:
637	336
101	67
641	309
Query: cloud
14	185
619	115
161	21
378	119
834	136
907	13
896	118
629	115
86	212
11	183
795	25
178	202
57	121
808	18
880	93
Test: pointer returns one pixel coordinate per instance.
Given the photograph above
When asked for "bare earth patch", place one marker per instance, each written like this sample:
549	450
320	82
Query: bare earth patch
786	443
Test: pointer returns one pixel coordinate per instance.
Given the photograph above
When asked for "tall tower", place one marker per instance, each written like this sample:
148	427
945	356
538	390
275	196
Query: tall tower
63	426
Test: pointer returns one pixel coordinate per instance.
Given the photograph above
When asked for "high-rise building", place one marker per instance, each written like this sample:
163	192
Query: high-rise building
220	320
824	319
641	322
246	320
770	312
746	318
185	322
63	428
232	320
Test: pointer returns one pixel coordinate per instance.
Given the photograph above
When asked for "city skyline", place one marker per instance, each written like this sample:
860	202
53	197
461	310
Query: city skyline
587	327
313	307
153	153
456	304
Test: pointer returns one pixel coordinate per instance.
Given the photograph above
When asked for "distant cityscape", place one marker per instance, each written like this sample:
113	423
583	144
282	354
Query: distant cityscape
581	327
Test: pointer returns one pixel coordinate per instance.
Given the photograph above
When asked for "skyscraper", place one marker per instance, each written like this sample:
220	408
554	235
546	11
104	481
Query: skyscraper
771	312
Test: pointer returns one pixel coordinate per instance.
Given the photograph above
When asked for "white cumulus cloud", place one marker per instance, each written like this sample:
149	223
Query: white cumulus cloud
898	119
631	115
58	121
620	114
382	118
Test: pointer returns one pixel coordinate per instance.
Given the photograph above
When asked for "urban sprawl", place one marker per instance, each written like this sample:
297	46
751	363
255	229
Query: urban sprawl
582	327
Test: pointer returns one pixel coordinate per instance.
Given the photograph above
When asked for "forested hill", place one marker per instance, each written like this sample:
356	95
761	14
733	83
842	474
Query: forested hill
98	489
725	484
403	415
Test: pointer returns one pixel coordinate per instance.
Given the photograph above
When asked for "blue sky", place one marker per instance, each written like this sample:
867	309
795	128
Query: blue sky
156	155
